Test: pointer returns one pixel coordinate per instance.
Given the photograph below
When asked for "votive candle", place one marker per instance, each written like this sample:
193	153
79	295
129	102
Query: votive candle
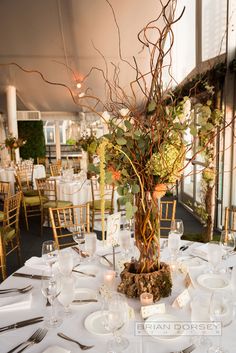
146	299
109	278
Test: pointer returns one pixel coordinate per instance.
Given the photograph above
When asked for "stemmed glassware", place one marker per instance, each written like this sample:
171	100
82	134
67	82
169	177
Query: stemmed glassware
214	251
227	240
173	245
50	287
116	316
177	226
65	262
50	253
90	244
67	293
125	242
78	234
221	310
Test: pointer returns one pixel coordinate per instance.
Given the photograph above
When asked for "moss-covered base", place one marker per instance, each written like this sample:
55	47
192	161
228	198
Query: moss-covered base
159	283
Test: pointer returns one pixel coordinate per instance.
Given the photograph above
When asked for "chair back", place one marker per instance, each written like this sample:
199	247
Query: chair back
167	214
66	220
5	190
47	189
230	218
12	211
96	192
25	171
55	169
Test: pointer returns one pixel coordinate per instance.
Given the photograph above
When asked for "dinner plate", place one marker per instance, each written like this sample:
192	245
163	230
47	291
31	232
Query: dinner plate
84	294
213	281
163	326
94	323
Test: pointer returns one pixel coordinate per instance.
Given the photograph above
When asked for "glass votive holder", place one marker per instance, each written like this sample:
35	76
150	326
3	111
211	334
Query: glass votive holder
109	279
146	299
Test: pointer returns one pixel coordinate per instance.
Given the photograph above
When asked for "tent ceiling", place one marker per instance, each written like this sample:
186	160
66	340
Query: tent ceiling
50	35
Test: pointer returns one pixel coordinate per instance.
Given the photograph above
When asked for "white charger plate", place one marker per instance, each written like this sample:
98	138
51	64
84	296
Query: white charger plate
213	281
94	323
84	294
162	321
192	262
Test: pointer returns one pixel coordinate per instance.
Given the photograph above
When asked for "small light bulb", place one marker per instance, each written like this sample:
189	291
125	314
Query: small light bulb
78	85
82	94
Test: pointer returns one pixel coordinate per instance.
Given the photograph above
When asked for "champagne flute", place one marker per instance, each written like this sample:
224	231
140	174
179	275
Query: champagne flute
227	240
67	294
115	318
177	227
50	287
50	253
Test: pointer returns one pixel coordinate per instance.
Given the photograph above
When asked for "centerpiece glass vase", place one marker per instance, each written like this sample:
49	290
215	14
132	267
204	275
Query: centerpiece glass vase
147	274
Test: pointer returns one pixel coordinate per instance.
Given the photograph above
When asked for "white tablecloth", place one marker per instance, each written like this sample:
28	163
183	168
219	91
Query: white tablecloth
8	174
74	326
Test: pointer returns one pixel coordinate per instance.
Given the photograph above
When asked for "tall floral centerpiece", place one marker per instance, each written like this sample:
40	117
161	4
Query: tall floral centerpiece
12	143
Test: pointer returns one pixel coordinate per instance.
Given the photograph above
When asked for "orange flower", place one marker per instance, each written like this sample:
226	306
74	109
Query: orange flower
115	173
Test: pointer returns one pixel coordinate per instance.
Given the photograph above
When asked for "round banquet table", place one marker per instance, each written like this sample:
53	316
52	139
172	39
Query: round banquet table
8	174
74	325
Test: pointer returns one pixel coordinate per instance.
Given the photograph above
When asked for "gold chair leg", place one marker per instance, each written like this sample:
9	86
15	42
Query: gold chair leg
26	217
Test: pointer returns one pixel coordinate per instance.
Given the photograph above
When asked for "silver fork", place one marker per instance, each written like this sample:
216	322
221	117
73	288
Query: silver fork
82	346
38	339
30	339
17	290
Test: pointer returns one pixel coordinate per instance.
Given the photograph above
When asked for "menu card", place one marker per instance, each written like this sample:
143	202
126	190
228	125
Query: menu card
113	228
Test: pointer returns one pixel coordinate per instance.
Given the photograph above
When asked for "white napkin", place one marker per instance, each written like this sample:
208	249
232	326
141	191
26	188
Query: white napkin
201	251
56	349
37	263
16	302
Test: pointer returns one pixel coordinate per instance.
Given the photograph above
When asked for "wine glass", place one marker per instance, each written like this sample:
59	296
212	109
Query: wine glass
50	287
177	226
214	254
115	318
78	235
50	253
125	241
227	240
90	244
65	262
221	310
173	245
67	293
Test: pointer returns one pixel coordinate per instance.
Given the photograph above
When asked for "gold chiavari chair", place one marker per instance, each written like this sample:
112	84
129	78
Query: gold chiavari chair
5	191
47	190
55	169
30	201
66	220
9	232
95	204
230	218
25	172
167	214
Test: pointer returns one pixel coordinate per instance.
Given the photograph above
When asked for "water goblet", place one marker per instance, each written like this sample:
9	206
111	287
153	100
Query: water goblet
65	262
90	244
78	235
115	318
50	253
214	255
67	294
173	246
221	311
50	287
227	241
177	226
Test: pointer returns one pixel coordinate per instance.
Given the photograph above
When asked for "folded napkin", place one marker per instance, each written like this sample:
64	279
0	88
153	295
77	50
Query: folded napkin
15	302
56	349
201	251
37	263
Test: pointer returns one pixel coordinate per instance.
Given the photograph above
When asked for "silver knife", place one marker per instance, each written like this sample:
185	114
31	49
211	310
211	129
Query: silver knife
108	261
26	275
22	324
188	349
85	301
84	273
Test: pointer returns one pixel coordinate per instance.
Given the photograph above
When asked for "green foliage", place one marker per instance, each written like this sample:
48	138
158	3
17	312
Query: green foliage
32	132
